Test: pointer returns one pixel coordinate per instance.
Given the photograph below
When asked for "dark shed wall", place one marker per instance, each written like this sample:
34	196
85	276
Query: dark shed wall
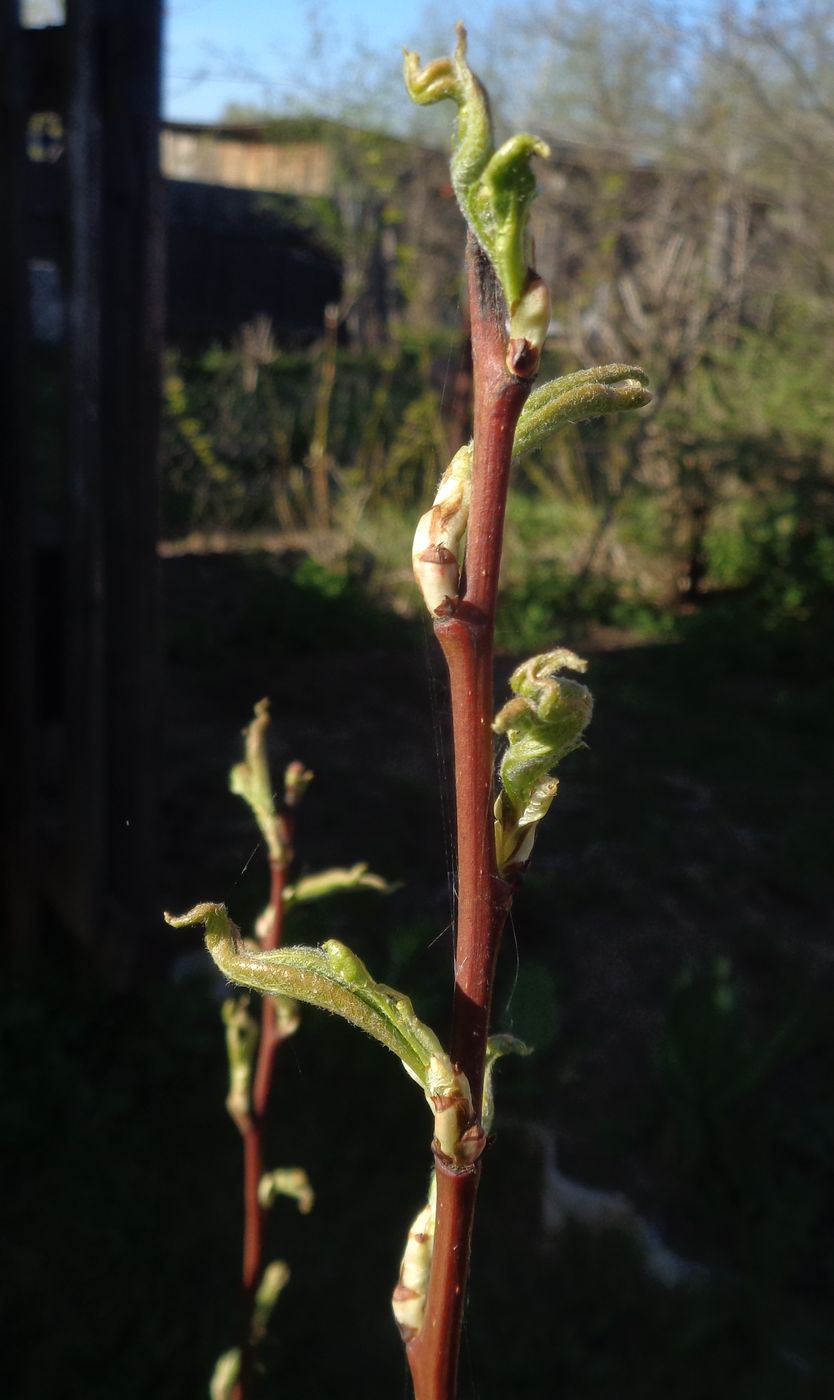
231	257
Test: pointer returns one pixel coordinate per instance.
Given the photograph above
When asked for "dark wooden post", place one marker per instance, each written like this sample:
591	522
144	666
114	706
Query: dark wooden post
83	852
101	73
17	720
132	292
116	325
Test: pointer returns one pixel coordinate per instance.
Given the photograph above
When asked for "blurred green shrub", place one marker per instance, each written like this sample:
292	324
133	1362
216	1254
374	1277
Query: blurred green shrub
726	505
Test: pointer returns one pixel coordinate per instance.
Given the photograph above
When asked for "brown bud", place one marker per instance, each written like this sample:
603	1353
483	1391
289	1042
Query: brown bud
523	359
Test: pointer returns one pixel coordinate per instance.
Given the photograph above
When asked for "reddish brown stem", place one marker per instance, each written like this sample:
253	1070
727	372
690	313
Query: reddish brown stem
483	898
252	1133
253	1213
433	1354
270	1037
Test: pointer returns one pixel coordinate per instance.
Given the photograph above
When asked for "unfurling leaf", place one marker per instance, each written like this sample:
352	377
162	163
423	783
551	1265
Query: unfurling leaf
335	881
251	781
297	779
497	1047
574	397
335	979
226	1375
331	977
275	1278
543	723
494	190
242	1034
287	1181
437	551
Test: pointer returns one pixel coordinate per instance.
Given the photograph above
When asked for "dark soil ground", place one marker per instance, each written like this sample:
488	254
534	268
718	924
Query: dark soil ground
670	957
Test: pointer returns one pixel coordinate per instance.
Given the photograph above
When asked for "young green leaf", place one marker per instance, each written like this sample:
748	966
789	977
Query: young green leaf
242	1034
297	779
574	397
226	1375
437	551
494	190
335	881
497	1047
543	723
251	781
287	1181
331	977
274	1280
335	979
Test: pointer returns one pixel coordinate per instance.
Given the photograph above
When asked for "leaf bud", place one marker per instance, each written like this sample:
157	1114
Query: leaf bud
408	1300
287	1181
242	1034
275	1278
297	779
436	553
529	323
458	1136
226	1375
543	723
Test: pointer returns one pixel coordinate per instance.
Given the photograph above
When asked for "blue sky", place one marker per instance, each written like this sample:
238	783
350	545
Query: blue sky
261	51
